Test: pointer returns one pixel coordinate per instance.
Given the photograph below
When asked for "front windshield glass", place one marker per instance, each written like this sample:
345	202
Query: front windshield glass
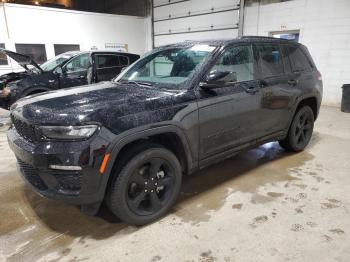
168	67
54	62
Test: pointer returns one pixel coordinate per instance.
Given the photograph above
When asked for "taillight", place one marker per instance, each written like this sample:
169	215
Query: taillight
319	76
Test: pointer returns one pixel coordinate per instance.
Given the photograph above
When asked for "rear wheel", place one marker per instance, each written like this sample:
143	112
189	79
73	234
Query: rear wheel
300	131
146	187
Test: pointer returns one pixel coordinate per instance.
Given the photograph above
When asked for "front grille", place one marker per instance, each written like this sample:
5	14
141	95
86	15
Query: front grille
31	175
69	182
23	129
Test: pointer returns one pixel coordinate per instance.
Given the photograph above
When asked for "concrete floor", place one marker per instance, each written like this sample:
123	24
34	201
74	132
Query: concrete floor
262	205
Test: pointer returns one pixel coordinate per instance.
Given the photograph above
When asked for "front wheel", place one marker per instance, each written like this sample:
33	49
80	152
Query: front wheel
300	131
146	187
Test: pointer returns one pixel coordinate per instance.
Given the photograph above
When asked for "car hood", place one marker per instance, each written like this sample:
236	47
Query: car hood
100	103
22	60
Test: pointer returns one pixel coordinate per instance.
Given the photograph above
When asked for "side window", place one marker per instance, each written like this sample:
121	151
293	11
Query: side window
298	59
286	59
104	61
238	61
78	64
3	57
270	60
124	61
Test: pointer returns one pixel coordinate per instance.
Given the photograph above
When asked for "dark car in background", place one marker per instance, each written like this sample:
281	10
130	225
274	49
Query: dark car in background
69	69
179	109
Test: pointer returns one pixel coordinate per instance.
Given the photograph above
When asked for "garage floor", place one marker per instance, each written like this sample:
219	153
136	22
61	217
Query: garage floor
262	205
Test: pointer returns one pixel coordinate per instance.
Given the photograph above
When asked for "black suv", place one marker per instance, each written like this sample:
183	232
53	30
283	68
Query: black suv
69	69
178	109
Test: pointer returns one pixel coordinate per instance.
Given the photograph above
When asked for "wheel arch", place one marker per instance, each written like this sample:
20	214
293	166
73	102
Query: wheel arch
311	102
302	101
170	137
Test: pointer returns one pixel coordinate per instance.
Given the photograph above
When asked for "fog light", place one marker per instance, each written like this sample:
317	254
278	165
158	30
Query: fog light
67	168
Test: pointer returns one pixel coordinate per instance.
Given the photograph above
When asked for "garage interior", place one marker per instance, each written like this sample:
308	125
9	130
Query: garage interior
264	204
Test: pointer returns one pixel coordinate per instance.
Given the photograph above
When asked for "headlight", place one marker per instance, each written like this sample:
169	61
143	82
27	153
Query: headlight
68	132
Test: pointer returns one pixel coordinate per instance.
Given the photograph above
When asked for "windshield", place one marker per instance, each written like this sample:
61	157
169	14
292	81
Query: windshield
168	67
54	62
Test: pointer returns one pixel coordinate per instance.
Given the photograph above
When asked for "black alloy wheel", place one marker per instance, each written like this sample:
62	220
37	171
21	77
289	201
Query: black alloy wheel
300	131
146	187
150	186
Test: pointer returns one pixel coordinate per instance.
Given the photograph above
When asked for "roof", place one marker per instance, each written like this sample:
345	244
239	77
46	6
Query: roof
73	53
244	39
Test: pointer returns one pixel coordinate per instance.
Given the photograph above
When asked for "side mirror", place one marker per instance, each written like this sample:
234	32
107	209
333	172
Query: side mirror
58	71
217	79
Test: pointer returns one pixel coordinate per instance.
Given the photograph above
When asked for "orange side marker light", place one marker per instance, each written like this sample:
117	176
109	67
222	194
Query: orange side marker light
104	163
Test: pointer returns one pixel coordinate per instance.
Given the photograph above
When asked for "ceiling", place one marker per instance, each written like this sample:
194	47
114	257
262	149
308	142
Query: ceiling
122	7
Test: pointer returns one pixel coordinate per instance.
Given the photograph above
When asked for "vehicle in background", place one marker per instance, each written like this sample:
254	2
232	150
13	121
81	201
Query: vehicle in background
69	69
179	109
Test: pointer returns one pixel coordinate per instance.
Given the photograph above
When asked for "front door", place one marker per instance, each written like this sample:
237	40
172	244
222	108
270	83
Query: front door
227	114
76	72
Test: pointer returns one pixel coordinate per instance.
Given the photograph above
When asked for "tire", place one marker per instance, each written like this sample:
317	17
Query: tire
146	187
300	131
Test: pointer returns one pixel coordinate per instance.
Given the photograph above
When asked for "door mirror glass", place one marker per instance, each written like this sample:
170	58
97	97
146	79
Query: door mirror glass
58	71
222	77
216	79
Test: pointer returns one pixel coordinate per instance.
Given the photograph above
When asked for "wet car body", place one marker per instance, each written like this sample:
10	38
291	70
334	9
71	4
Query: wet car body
203	125
35	80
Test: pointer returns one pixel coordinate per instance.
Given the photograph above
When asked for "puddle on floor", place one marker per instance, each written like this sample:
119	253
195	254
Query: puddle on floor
208	190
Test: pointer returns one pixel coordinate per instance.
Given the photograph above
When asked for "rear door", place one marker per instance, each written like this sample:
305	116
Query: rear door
109	66
303	70
276	92
227	114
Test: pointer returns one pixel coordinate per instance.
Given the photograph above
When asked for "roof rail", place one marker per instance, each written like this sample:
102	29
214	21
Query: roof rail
262	37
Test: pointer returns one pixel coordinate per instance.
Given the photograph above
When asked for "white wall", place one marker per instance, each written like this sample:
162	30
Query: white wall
49	26
324	28
207	23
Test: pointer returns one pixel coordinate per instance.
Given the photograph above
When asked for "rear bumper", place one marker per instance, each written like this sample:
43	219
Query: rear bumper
86	186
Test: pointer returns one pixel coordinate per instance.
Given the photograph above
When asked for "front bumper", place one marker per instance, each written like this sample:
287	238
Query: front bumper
76	187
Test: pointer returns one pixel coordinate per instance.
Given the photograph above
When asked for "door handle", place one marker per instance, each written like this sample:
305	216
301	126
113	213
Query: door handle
293	82
82	77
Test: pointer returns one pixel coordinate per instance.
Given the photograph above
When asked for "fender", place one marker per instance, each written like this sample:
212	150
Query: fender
144	132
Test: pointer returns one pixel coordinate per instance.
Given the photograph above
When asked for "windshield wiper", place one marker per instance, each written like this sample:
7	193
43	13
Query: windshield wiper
138	83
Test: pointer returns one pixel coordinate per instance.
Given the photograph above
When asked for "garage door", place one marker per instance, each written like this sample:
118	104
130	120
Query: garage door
180	20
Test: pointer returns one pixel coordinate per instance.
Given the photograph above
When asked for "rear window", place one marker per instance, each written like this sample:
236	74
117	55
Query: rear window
270	60
298	59
104	61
